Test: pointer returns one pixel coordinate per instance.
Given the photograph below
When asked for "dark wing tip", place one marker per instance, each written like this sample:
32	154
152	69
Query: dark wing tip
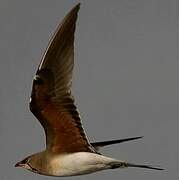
63	34
105	143
76	8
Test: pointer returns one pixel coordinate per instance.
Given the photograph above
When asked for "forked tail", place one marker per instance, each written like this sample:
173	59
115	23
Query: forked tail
125	165
143	166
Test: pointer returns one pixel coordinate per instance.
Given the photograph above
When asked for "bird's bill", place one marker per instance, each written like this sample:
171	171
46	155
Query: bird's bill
19	164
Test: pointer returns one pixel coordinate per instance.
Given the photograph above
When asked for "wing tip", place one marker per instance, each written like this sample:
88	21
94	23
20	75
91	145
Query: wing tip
78	5
76	8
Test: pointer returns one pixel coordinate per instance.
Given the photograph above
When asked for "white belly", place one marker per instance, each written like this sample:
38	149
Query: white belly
79	163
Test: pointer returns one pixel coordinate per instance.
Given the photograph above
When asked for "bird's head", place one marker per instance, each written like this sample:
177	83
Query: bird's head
27	163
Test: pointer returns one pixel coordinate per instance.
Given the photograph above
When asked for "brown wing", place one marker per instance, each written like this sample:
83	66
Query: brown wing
51	99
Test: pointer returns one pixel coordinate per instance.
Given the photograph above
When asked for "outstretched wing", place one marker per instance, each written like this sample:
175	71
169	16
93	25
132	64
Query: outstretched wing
51	99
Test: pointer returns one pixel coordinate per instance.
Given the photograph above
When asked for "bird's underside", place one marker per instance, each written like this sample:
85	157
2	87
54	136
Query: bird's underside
68	151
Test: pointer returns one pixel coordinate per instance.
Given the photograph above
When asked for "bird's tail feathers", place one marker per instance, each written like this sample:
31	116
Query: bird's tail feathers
144	166
125	165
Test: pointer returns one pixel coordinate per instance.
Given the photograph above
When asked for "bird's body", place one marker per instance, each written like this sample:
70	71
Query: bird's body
72	164
68	151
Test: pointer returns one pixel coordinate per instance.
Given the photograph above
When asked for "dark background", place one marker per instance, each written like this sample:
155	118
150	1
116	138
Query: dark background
126	80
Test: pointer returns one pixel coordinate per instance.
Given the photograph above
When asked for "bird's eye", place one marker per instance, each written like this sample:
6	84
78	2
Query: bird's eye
25	161
38	80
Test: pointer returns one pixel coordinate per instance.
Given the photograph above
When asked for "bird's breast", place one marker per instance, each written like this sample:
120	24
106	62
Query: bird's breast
78	163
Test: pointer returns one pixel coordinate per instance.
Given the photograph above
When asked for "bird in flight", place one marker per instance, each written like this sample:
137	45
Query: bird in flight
68	151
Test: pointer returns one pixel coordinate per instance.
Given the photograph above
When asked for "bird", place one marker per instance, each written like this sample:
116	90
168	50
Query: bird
68	151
